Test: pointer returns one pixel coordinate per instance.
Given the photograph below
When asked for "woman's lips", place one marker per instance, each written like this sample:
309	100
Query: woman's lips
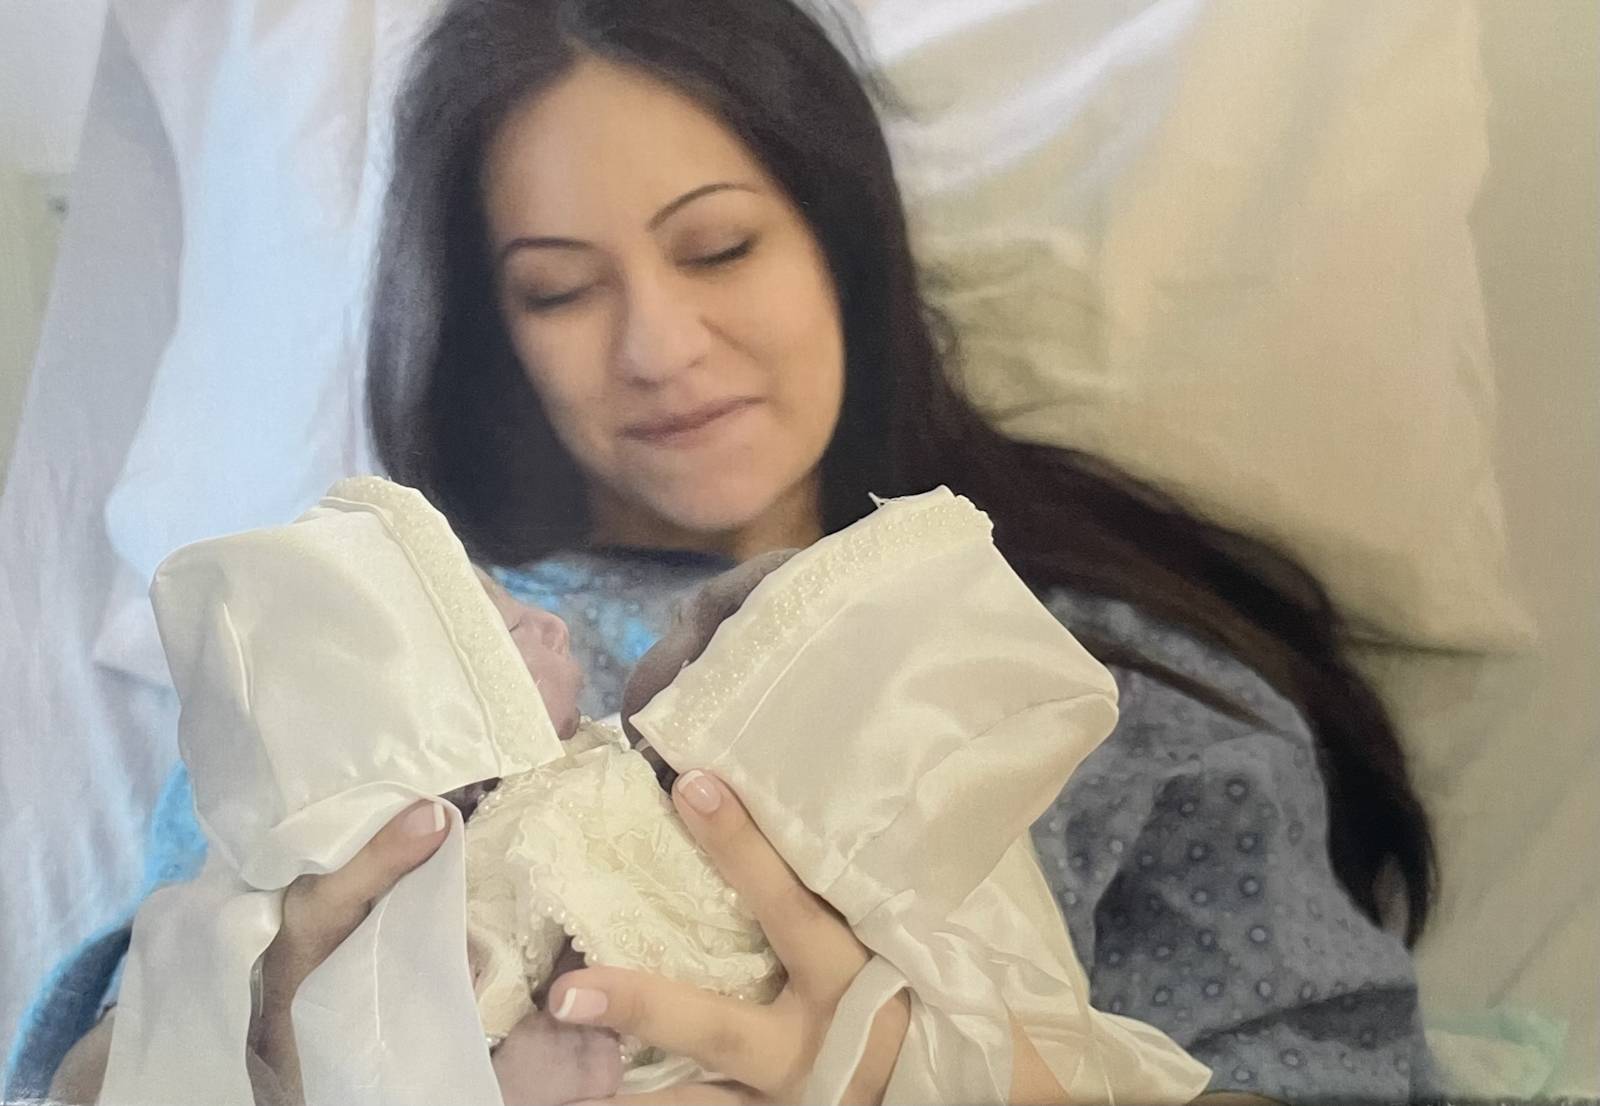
690	427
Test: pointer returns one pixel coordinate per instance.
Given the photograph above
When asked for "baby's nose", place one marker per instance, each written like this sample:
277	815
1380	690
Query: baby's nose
552	631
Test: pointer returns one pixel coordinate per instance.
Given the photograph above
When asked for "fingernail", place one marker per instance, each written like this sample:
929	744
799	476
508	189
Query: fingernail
580	1005
424	821
700	791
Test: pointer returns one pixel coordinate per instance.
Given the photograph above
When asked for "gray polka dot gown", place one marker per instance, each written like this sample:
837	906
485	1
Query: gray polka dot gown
1189	856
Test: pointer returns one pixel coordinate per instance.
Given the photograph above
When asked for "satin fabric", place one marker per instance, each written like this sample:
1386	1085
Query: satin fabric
331	673
893	704
895	708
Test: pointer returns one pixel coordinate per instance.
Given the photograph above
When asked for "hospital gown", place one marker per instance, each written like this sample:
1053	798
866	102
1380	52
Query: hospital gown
1188	855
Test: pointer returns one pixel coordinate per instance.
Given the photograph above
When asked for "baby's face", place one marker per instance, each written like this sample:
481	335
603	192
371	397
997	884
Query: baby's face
541	638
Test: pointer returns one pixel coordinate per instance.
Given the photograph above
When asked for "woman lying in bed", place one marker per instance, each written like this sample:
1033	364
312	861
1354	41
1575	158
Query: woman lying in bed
646	308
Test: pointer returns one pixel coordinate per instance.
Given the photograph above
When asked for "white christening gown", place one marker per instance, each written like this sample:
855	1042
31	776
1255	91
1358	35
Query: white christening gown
892	705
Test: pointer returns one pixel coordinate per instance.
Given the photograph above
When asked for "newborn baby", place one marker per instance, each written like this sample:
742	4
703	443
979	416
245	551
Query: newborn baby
583	861
541	640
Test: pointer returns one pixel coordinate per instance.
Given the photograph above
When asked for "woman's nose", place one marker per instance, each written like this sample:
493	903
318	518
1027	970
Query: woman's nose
663	331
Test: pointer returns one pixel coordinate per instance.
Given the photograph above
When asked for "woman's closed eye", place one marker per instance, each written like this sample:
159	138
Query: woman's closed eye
547	296
542	301
718	258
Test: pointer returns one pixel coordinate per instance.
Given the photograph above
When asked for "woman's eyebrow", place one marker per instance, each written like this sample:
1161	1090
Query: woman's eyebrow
546	242
538	243
691	196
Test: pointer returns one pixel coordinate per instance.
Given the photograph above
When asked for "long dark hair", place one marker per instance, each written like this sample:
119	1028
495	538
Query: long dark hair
454	415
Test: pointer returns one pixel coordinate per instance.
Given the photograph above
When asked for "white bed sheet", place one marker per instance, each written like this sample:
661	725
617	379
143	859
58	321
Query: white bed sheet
82	751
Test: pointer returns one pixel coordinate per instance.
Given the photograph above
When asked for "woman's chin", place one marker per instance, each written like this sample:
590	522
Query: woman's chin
721	503
710	516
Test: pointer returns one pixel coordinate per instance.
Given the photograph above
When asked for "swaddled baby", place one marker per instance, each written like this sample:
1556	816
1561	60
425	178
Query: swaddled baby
892	705
583	860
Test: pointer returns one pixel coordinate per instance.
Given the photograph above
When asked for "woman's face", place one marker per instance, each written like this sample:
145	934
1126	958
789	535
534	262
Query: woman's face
670	305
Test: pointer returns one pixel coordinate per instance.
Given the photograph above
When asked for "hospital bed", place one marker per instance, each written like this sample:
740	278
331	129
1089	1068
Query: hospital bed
1227	244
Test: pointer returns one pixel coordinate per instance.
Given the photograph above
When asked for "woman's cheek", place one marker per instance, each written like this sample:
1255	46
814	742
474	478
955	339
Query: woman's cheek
568	374
805	345
810	393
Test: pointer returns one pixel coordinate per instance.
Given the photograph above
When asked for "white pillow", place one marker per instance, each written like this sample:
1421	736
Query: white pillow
1226	249
1225	245
278	117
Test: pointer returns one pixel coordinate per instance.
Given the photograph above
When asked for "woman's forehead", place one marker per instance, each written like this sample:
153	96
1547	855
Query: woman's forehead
606	144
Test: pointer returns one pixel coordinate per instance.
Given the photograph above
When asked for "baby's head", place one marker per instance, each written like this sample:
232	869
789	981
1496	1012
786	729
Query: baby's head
541	638
693	624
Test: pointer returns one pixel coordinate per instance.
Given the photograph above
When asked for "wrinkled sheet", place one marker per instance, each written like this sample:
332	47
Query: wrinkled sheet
83	750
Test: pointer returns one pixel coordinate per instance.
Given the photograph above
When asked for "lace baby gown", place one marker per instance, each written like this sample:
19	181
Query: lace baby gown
893	705
589	847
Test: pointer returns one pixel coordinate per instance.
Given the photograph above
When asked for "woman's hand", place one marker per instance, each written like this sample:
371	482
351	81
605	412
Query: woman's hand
767	1051
319	912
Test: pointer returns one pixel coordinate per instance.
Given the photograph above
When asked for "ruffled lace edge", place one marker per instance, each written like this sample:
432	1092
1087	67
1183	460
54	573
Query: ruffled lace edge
605	913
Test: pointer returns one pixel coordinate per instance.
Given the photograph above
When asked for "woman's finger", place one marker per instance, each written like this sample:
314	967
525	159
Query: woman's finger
813	943
319	912
752	1044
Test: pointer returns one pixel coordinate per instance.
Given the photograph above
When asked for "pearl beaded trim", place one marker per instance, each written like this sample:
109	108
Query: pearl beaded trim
797	598
516	718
